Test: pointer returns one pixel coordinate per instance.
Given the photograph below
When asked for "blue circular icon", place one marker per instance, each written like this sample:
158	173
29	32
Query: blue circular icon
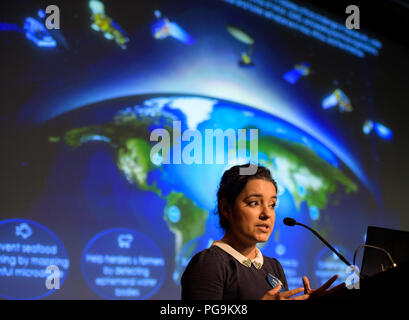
123	264
174	214
33	261
314	213
280	249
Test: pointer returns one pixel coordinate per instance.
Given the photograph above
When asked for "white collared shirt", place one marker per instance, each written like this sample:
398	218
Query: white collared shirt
257	261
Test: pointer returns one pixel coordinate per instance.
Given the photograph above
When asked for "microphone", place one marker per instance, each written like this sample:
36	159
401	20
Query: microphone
291	222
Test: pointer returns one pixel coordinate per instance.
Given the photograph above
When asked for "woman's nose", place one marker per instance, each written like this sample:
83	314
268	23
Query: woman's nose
266	212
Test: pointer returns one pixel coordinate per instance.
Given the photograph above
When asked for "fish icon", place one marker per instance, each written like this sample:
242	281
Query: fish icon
24	231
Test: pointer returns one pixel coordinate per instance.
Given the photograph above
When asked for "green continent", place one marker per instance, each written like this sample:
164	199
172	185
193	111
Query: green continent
134	161
129	136
295	165
190	225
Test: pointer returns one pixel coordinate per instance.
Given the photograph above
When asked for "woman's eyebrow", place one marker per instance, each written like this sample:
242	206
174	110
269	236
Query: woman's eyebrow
258	195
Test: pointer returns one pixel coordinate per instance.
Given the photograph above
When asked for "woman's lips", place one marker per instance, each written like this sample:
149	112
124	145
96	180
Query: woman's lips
263	227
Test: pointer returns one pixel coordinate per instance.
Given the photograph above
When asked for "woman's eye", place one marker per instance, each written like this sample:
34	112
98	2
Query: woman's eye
255	203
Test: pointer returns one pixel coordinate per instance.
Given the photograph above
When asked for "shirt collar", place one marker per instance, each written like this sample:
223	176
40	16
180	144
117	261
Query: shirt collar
257	262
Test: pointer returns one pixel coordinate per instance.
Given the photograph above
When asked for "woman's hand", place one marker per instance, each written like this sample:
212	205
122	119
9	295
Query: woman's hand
321	291
275	294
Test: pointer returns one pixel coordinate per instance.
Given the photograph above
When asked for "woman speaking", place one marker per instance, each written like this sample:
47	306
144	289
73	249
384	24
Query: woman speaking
233	268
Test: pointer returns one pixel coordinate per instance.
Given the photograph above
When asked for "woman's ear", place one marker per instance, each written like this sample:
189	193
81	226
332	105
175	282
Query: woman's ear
225	209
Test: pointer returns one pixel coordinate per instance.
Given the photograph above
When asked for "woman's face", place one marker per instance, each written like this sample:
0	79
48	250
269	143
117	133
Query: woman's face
252	218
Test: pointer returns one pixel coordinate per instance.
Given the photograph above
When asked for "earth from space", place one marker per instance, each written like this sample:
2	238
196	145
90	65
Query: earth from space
109	147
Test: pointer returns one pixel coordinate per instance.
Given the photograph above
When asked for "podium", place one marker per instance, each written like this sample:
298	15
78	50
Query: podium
392	283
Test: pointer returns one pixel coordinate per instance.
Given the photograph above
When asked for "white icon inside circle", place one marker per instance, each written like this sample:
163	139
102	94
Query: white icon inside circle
23	230
124	240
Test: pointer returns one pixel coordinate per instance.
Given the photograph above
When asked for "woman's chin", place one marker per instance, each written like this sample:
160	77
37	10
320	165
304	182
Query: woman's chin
262	238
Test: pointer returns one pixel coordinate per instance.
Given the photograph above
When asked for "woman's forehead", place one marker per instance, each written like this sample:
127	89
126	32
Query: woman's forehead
260	187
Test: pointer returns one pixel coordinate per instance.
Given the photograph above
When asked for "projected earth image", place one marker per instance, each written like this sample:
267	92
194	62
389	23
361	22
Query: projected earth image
103	159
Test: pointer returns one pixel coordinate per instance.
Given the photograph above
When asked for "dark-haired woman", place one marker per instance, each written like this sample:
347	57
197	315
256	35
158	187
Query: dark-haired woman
233	268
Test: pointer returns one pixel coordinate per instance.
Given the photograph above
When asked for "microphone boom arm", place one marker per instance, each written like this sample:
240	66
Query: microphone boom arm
326	243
